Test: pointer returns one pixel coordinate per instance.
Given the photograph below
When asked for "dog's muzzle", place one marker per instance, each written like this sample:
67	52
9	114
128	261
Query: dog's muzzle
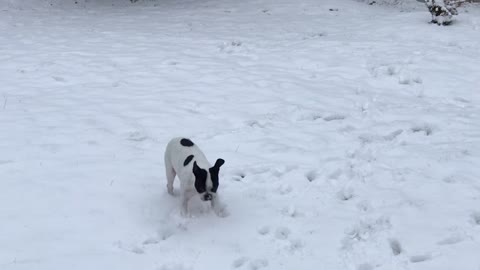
207	197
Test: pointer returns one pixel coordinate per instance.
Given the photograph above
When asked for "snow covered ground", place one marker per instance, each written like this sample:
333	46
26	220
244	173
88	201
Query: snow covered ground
351	135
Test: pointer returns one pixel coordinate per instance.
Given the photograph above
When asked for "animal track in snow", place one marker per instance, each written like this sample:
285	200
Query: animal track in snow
345	194
311	175
296	245
395	246
282	236
137	137
314	35
239	262
59	79
364	229
374	138
461	100
284	189
310	116
407	80
165	234
392	70
364	206
417	79
282	233
391	136
256	123
290	211
150	241
233	46
425	128
451	240
449	179
264	230
476	218
334	117
384	69
238	176
132	249
258	264
420	258
222	211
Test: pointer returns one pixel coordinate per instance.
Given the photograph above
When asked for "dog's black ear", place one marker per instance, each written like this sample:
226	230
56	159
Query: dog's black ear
197	171
218	164
214	173
200	178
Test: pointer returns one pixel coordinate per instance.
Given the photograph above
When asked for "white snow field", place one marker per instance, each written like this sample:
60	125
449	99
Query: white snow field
351	135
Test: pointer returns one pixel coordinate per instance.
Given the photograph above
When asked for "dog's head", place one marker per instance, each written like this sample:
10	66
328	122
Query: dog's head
206	182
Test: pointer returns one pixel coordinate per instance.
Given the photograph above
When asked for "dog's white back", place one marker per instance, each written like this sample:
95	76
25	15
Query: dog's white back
175	156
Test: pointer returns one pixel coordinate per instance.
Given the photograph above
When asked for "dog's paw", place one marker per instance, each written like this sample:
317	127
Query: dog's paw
184	213
221	212
170	189
174	193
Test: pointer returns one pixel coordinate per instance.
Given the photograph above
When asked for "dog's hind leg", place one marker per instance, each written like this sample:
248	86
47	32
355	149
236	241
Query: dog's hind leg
170	172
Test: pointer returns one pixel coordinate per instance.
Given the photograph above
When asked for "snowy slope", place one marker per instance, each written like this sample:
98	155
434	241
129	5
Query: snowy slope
351	136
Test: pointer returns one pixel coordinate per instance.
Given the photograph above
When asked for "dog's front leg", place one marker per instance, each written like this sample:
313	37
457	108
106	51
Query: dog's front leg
185	198
184	210
218	207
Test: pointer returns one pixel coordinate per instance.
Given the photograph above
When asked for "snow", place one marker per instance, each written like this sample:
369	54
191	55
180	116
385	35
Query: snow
351	136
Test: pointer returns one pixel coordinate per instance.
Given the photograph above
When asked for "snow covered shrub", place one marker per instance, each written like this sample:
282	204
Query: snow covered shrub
442	10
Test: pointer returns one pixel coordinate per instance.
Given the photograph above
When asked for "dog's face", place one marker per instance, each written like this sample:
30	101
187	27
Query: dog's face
206	182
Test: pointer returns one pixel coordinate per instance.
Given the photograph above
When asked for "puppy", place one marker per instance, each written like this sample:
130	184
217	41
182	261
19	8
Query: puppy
197	176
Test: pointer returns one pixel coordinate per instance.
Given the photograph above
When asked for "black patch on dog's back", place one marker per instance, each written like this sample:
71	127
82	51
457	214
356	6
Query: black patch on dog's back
186	142
187	160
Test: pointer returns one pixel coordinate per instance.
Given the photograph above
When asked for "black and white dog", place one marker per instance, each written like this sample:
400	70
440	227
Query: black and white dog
197	176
